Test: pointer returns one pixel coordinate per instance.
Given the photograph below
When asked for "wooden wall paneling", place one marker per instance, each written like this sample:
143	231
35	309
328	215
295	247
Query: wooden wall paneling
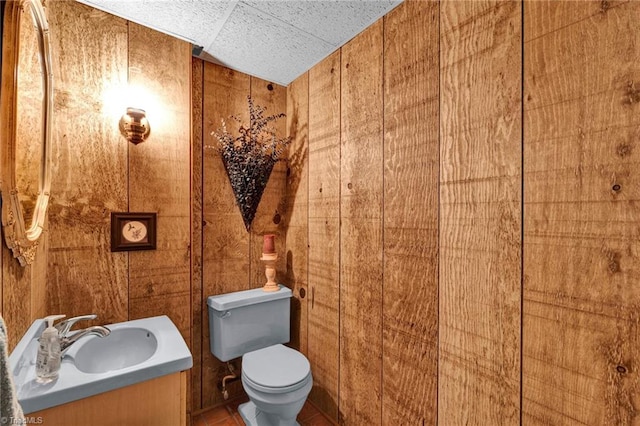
582	115
411	163
225	257
89	164
480	213
542	17
159	177
269	217
361	198
197	298
296	211
324	233
16	301
39	276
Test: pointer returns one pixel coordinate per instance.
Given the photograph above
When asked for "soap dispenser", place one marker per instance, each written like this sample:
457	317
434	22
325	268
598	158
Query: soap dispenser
49	354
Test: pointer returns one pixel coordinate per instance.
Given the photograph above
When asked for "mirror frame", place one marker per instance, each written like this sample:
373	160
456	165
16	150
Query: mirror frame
23	240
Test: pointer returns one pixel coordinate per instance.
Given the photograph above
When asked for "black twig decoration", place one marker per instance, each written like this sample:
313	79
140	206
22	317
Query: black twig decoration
249	157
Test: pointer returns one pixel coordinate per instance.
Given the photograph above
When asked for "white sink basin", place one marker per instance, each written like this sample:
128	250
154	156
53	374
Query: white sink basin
124	347
135	351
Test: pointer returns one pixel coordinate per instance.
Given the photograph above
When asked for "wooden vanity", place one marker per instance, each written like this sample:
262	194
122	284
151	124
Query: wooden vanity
156	402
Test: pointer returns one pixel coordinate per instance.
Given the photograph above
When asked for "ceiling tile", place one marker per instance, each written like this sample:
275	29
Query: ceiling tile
335	21
257	43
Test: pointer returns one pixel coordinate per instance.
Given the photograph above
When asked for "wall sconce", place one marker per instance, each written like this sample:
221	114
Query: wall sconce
134	125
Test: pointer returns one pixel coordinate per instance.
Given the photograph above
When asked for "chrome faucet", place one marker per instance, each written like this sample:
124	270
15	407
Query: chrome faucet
64	327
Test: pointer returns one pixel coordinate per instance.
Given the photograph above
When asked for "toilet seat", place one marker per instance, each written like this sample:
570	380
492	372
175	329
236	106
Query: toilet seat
275	369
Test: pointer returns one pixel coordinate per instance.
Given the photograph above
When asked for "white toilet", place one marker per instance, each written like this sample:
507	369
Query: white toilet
254	324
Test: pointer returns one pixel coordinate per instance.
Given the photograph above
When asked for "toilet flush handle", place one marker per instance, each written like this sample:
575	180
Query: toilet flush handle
225	314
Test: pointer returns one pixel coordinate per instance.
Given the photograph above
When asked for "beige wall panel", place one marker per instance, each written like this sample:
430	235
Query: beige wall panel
480	214
581	235
159	177
544	17
411	149
361	201
198	313
324	233
89	164
296	212
270	216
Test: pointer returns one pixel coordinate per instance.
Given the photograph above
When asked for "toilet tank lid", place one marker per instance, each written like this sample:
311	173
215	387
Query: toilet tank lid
224	302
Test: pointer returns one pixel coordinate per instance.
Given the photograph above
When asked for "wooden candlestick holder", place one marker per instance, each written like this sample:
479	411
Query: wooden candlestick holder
270	260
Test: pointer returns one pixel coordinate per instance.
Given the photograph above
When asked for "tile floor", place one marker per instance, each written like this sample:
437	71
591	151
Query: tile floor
227	415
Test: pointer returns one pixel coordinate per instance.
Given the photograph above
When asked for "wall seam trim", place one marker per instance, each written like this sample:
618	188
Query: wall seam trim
522	17
339	234
384	21
203	312
438	223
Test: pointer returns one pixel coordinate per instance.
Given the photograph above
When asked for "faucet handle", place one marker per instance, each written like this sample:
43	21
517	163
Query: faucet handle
63	327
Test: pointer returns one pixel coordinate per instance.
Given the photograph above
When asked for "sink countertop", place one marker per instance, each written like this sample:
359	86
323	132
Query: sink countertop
172	355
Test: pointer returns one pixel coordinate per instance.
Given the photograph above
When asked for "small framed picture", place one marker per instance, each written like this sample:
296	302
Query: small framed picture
133	231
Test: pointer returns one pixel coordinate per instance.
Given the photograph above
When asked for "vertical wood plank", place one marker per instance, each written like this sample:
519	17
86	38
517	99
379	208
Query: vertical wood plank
361	201
324	233
296	213
226	242
581	298
480	214
89	164
411	163
16	301
269	217
159	177
39	276
543	17
225	259
197	297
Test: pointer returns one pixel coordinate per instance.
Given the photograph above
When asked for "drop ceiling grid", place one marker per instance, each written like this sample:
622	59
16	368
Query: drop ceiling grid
260	44
276	40
334	21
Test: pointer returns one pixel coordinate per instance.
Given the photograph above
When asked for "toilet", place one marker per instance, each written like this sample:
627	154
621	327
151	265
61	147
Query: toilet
254	324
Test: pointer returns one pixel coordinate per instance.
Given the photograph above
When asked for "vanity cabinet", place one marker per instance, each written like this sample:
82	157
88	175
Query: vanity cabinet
156	402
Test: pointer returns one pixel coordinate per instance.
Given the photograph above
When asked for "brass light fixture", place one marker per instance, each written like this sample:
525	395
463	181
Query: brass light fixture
134	125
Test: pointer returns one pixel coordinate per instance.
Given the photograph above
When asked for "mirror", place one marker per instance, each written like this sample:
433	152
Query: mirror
26	101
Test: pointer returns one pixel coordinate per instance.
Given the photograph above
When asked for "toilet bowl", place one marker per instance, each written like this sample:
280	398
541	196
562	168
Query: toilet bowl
277	380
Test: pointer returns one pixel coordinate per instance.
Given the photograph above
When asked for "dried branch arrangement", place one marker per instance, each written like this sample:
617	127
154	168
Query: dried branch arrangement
250	156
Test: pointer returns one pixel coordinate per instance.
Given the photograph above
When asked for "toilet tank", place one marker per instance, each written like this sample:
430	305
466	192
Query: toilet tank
244	321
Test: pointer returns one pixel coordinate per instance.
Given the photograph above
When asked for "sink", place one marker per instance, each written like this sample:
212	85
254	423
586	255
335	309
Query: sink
124	347
134	351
